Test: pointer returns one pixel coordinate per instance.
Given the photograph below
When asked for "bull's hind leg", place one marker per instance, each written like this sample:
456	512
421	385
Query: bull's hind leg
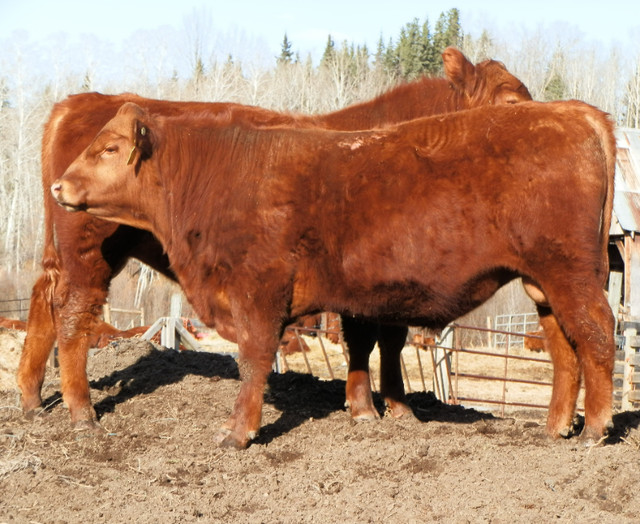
566	376
41	335
391	340
583	312
98	252
360	338
596	350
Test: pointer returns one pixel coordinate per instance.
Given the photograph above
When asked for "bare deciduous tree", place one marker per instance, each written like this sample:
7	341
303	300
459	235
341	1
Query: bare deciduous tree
632	98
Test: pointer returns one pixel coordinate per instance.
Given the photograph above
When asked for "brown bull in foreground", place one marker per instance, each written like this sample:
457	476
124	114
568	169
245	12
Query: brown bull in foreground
415	224
66	301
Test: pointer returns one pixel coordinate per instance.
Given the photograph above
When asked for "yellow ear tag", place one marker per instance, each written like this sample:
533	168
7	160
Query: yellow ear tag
131	155
143	132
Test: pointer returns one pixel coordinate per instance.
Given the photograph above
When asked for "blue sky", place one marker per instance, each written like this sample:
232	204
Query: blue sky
308	23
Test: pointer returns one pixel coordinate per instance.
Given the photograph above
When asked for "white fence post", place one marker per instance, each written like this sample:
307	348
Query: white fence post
631	344
442	365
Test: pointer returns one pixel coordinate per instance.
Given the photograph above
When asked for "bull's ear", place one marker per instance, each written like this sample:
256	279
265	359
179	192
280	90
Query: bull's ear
458	69
143	139
142	143
137	124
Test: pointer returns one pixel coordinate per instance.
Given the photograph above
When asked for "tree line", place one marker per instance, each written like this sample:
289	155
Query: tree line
552	67
416	52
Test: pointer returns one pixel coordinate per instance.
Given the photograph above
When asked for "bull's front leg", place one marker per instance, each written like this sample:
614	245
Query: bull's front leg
257	347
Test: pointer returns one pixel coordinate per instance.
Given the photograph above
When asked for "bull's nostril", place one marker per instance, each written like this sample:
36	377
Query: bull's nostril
56	188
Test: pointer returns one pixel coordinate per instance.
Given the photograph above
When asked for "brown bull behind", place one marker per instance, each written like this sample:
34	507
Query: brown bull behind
415	224
66	301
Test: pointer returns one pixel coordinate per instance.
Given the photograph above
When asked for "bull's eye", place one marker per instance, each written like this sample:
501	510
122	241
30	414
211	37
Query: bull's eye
110	150
508	98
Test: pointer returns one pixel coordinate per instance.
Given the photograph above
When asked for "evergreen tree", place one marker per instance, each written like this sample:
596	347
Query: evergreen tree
329	53
447	33
362	54
555	88
87	82
418	52
403	52
447	30
4	94
286	54
412	50
390	60
429	57
378	58
360	59
453	33
199	72
485	45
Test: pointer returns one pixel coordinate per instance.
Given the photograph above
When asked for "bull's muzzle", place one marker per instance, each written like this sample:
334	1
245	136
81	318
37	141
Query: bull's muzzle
58	193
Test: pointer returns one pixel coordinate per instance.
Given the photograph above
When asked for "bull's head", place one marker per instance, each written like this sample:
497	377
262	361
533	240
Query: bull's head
104	180
487	83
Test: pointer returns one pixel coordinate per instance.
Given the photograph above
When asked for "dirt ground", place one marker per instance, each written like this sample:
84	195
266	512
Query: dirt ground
156	461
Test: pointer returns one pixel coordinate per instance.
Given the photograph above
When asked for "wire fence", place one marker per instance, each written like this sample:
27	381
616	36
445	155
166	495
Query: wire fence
17	308
516	322
500	373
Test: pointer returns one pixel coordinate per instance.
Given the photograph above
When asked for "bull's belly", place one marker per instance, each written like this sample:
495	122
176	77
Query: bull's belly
415	303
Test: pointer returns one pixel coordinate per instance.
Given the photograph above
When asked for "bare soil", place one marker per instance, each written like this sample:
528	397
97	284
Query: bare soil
156	461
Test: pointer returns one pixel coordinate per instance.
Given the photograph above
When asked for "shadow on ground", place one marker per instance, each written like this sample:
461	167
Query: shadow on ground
299	396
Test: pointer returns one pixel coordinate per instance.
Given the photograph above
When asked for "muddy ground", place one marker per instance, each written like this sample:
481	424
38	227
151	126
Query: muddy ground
156	461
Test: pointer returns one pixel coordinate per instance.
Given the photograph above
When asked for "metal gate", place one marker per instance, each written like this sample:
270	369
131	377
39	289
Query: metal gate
497	377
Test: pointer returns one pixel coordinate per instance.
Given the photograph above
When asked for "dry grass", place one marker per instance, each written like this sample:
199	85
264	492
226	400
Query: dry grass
15	458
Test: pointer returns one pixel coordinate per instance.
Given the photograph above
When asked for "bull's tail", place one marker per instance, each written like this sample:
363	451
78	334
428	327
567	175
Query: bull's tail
604	128
50	258
51	263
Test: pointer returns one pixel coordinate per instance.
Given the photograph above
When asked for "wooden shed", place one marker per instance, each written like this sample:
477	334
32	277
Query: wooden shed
624	256
624	252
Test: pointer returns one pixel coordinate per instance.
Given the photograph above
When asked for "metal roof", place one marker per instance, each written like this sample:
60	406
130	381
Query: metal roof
626	201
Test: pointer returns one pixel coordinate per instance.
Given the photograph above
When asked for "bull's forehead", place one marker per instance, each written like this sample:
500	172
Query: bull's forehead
107	135
121	124
497	71
498	76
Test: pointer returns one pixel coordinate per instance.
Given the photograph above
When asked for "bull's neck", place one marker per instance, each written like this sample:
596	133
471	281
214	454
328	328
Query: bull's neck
188	176
423	97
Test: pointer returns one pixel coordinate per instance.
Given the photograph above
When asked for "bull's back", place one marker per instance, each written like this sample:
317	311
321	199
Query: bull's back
486	184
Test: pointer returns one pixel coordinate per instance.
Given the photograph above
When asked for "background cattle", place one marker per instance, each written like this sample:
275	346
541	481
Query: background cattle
280	222
534	341
82	254
11	323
